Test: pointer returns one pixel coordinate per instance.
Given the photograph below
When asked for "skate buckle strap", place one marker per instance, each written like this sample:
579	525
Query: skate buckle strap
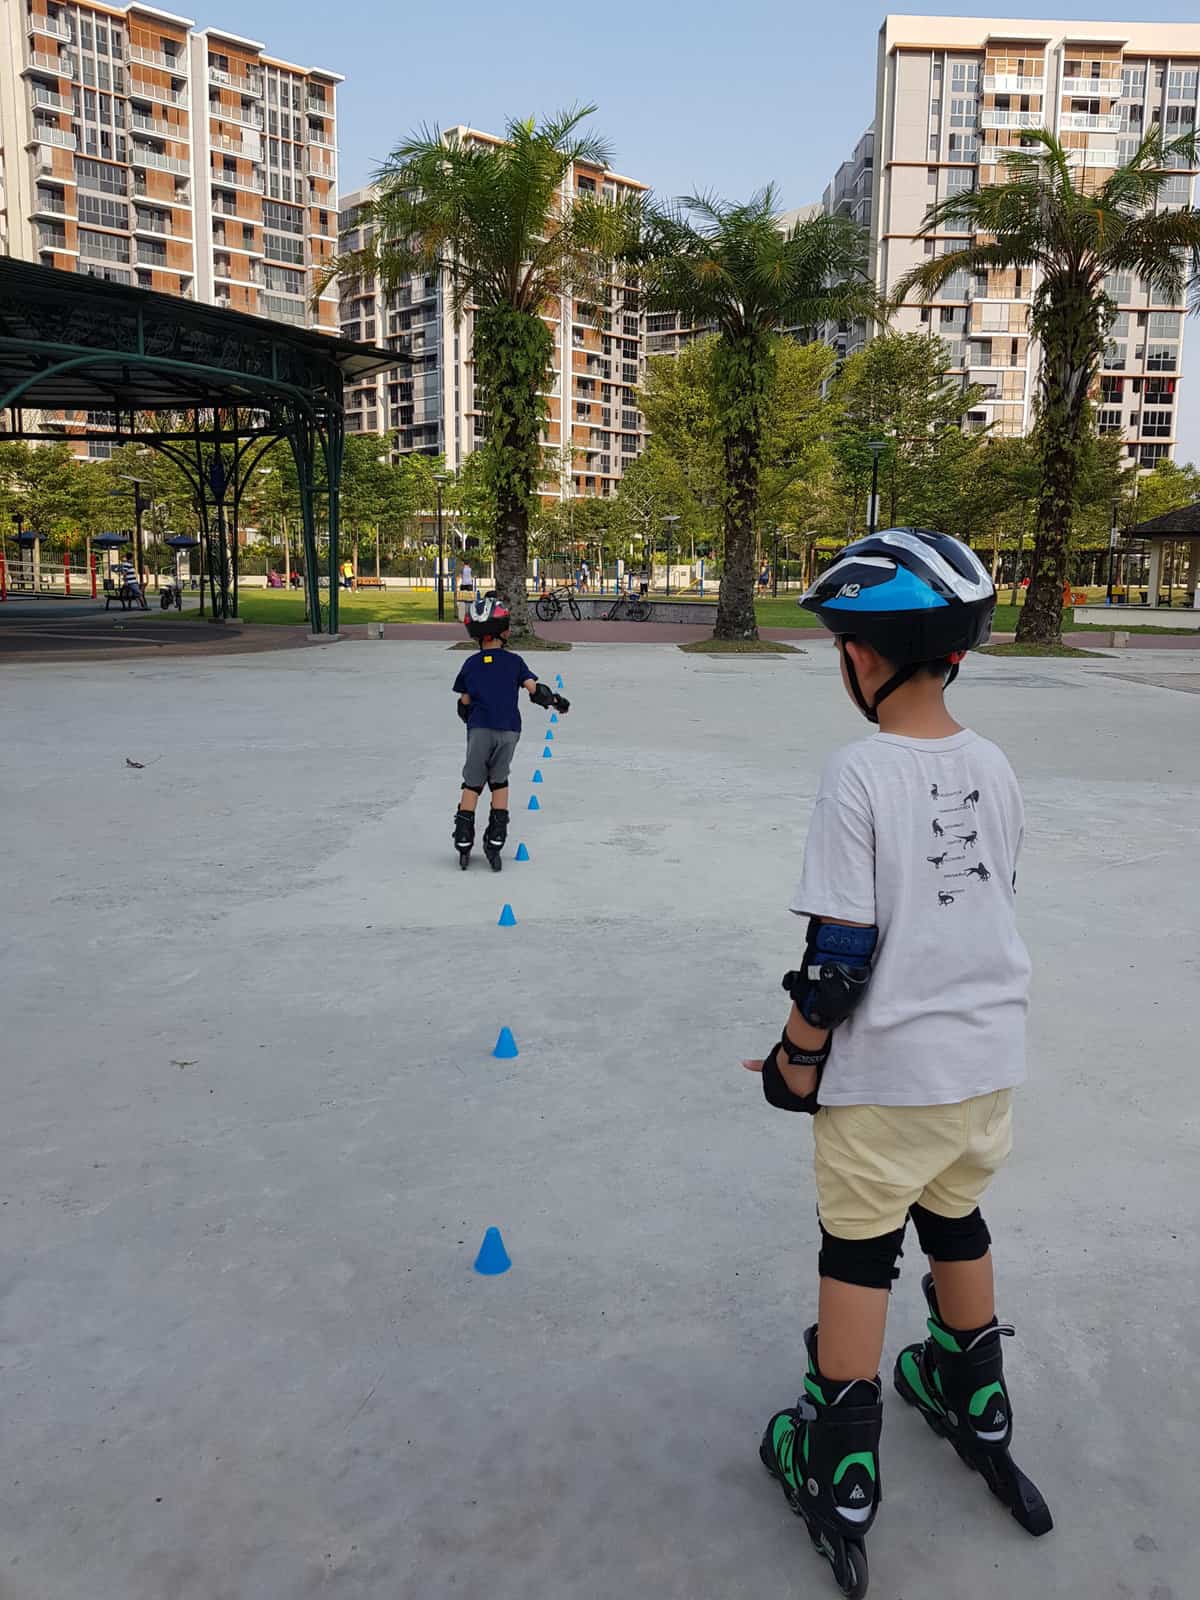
1005	1328
805	1410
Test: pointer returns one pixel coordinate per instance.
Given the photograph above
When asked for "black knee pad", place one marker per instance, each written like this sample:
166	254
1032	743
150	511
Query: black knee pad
869	1263
493	785
471	788
951	1238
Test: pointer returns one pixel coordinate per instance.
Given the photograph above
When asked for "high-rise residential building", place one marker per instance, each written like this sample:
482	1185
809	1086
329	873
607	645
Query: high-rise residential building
951	95
594	428
135	148
849	195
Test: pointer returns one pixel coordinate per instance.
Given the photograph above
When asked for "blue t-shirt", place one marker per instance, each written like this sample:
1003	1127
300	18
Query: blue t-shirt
493	679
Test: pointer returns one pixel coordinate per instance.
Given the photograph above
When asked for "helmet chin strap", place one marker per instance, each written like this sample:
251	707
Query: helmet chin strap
870	709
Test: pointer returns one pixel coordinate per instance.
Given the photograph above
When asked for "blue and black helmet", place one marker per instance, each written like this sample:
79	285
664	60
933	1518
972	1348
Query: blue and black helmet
915	596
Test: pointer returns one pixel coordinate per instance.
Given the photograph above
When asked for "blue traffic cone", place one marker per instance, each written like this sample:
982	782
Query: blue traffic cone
549	735
554	716
534	803
547	753
522	853
507	920
558	680
493	1258
537	776
506	1046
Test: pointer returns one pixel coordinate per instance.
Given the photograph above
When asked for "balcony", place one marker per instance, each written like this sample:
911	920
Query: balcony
322	108
319	136
1096	156
142	156
158	58
244	116
1090	122
147	222
143	89
318	167
150	258
252	87
989	117
59	66
43	133
237	147
38	23
48	205
52	102
1104	88
1012	83
248	182
51	238
158	125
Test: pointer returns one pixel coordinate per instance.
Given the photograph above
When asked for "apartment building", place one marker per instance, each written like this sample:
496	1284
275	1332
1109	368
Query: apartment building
594	427
136	148
952	94
849	195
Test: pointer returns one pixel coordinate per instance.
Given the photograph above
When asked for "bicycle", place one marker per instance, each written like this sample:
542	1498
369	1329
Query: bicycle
550	604
629	608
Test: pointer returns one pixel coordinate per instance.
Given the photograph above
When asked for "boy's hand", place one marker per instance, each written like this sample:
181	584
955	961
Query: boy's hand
802	1081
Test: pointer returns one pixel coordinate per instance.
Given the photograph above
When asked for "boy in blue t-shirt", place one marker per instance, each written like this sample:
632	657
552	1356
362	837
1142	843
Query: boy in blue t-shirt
487	690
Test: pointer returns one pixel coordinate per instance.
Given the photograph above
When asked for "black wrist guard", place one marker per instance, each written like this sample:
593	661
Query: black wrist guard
560	702
776	1090
464	712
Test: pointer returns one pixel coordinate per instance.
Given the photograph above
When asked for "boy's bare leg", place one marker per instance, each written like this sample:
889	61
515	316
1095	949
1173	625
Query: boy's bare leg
966	1293
850	1324
500	799
469	800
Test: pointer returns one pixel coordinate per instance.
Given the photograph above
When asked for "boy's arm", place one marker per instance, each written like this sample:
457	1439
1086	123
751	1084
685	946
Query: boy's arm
542	695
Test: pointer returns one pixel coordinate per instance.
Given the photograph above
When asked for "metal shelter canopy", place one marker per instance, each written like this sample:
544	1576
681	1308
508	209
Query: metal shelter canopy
212	389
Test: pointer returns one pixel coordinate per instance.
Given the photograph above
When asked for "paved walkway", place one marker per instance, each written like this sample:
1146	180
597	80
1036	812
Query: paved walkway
253	1134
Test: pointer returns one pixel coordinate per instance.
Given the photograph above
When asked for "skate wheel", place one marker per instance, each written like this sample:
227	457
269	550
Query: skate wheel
854	1577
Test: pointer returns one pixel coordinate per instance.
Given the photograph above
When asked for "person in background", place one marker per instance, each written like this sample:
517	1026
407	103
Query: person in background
585	577
764	578
129	582
466	582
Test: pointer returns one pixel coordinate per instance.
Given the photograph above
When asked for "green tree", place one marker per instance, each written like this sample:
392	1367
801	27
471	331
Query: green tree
494	220
898	390
732	267
1047	215
1169	487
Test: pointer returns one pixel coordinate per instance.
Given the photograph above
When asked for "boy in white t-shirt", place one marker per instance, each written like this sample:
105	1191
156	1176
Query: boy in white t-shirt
905	1039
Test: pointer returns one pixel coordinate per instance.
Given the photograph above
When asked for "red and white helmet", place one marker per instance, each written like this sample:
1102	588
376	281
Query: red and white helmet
488	617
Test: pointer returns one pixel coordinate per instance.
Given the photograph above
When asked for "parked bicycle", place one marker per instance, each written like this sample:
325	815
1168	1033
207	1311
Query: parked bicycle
550	604
629	608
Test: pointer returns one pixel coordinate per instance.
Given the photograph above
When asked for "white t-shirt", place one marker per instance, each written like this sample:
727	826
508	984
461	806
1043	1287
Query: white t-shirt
921	837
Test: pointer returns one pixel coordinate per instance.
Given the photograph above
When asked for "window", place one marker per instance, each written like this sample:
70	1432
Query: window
151	252
964	113
1114	357
1133	81
1110	422
964	75
585	185
1148	454
104	213
1119	286
1111	390
103	245
285	279
1181	82
629	374
1165	324
660	321
1176	191
96	175
290	219
964	147
629	325
283	248
1160	391
1157	424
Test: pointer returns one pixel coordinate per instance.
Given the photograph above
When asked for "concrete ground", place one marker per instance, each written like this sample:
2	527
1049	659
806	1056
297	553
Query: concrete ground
253	1134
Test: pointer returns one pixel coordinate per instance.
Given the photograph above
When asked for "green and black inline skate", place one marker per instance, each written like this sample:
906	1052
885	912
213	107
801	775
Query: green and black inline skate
824	1452
956	1381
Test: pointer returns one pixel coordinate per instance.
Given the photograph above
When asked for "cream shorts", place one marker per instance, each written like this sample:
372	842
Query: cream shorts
873	1162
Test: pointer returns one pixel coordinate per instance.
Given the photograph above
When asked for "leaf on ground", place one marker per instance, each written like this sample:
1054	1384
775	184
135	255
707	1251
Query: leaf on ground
138	764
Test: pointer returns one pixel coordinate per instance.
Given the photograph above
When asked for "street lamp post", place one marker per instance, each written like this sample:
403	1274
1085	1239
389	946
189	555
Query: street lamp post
140	505
1112	548
774	561
440	478
670	522
876	447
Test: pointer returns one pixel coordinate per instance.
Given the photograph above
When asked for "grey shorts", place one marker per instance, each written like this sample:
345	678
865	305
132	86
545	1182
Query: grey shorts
489	757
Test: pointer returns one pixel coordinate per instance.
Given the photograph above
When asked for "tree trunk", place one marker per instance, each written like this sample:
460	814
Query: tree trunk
735	601
512	557
1072	338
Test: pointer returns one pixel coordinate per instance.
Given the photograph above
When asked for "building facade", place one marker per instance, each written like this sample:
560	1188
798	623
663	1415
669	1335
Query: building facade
594	427
136	148
952	94
849	195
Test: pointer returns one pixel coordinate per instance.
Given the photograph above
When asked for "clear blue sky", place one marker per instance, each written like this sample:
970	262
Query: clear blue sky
695	95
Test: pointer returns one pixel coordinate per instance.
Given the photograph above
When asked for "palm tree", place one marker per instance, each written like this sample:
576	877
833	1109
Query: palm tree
736	270
497	218
1045	214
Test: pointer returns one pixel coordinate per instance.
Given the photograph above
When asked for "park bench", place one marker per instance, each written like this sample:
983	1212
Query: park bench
122	592
368	583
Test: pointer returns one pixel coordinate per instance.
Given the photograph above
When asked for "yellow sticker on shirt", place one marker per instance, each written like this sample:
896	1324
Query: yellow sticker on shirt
487	661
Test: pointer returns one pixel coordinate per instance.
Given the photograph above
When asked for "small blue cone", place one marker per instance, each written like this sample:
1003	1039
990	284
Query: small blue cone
493	1258
522	853
507	920
549	735
547	753
537	777
558	680
534	804
506	1046
554	716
